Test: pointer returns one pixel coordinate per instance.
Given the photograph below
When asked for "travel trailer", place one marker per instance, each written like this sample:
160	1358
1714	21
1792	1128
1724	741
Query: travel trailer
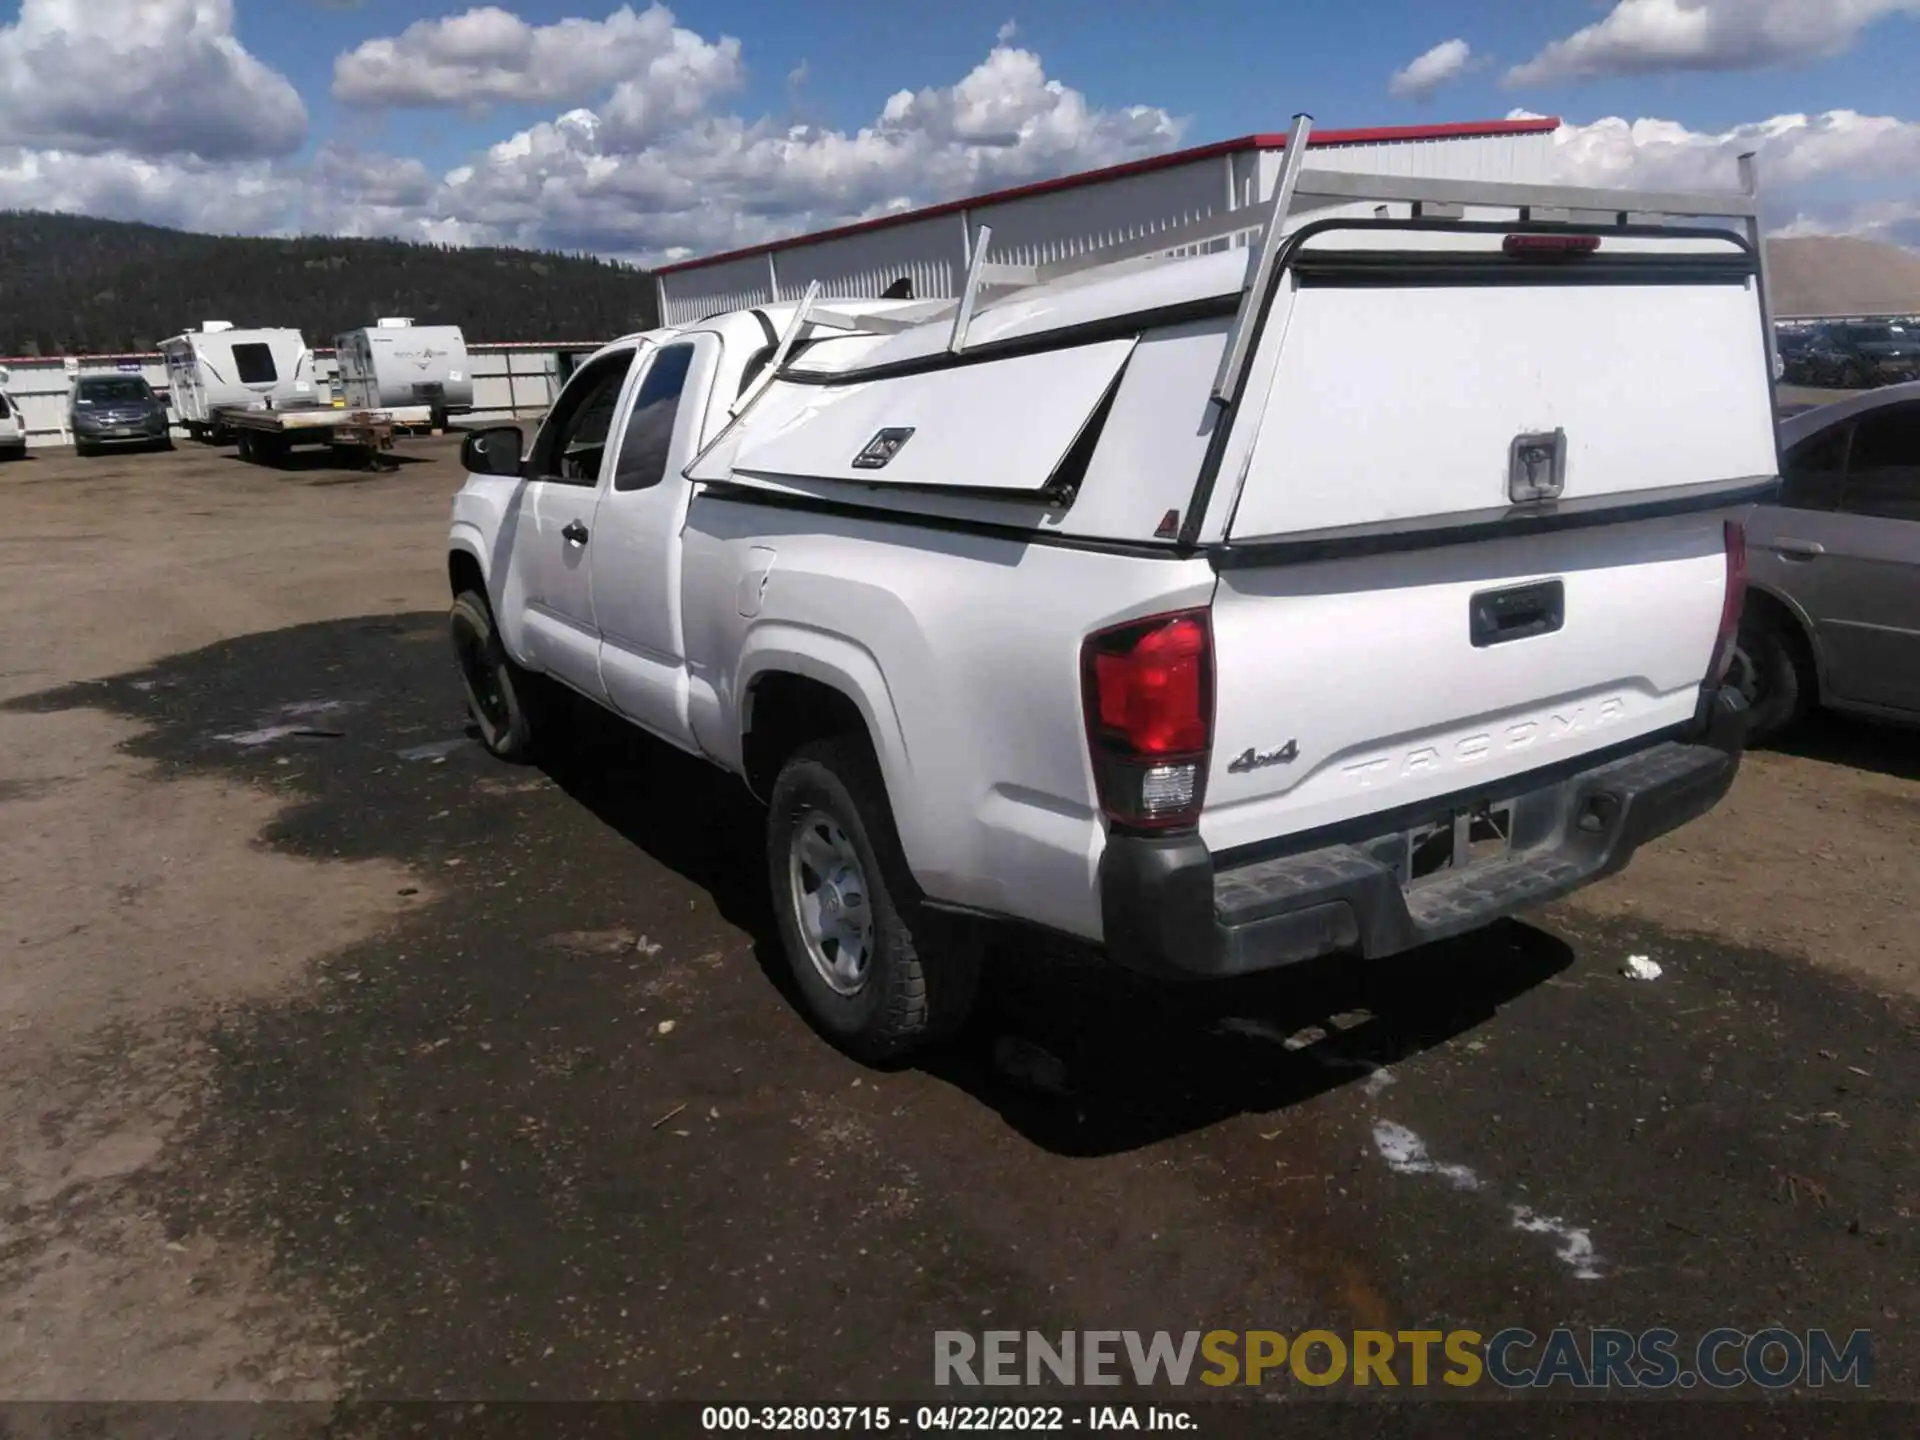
395	362
217	366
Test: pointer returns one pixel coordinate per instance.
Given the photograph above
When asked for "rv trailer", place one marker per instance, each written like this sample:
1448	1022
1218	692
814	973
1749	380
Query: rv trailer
216	367
395	362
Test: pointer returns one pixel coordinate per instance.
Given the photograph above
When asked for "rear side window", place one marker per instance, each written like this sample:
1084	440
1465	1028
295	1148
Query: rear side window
253	362
1813	469
643	450
6	410
1883	473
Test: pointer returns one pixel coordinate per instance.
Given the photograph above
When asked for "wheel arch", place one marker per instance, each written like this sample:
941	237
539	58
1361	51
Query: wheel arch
797	685
466	565
1766	603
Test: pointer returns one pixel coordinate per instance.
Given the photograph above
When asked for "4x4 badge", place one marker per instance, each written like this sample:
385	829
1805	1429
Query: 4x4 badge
1254	760
882	448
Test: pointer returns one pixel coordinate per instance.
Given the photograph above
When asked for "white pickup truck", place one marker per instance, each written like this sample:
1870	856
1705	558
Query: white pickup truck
1330	595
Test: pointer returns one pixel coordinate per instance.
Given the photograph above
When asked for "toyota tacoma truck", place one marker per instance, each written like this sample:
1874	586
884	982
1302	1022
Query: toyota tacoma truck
1329	595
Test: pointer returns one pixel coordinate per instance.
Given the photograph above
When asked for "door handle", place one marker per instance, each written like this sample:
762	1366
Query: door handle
1496	616
1798	549
575	532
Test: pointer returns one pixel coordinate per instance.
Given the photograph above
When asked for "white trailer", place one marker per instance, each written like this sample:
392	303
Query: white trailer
395	362
216	367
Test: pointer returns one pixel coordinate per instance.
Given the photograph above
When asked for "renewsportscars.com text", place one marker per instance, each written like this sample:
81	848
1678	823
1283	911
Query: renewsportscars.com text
1514	1358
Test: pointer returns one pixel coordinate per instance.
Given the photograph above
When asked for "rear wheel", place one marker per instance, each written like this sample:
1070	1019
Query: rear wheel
500	695
880	974
1772	669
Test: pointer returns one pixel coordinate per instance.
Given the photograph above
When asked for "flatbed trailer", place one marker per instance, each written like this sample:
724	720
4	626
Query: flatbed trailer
265	436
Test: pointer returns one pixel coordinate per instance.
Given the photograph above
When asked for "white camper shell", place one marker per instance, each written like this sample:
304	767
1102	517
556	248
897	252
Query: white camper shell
217	367
1338	591
395	362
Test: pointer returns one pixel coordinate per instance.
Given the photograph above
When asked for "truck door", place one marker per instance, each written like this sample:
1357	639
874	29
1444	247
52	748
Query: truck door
636	537
555	544
1869	618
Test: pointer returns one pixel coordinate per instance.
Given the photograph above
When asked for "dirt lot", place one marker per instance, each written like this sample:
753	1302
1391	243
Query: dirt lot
334	1057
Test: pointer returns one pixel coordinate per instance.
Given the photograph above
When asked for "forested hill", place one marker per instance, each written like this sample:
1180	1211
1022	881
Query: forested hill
74	285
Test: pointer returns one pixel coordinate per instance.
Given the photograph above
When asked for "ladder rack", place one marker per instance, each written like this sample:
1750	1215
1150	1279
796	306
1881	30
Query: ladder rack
1300	190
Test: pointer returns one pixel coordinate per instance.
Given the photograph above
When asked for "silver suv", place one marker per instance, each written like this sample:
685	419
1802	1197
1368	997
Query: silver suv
1833	602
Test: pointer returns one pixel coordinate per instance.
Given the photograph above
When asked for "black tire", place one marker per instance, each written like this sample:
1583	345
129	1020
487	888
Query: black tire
922	972
501	697
1772	668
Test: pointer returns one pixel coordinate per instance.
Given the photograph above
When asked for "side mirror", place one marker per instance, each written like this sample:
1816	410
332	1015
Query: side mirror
495	450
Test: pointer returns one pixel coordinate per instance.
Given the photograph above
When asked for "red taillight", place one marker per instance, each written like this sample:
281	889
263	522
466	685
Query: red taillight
1148	691
1551	245
1733	600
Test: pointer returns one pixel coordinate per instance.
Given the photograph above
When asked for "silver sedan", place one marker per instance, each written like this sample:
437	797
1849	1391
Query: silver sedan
1833	601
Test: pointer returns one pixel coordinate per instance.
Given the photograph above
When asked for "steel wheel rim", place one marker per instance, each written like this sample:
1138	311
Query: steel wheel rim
482	679
831	904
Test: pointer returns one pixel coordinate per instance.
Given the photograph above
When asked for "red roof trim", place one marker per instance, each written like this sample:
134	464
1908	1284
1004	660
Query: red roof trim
1380	135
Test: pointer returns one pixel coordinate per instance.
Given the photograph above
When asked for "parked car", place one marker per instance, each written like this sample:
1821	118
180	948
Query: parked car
1062	625
1810	357
1833	601
13	429
1874	354
116	410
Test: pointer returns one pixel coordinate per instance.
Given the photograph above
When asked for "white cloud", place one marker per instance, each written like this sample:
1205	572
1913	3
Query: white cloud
1795	153
242	197
1651	35
715	181
488	55
654	170
142	77
1442	65
1839	173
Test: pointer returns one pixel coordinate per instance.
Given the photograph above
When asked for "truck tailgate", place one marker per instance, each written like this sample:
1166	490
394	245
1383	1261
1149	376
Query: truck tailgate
1398	619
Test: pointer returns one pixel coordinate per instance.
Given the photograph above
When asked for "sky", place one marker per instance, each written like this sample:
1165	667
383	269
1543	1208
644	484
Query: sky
651	133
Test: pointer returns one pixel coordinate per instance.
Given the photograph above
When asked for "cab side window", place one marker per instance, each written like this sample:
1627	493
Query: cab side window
649	435
1883	470
573	440
1812	471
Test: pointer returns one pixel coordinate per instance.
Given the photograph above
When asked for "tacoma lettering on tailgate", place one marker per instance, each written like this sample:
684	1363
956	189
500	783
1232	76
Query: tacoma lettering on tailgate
1544	731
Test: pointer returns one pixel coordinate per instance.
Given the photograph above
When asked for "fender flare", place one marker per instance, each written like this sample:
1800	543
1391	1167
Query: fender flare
850	668
465	539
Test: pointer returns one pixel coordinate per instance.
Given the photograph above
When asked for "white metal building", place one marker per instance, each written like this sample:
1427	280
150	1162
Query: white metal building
1054	219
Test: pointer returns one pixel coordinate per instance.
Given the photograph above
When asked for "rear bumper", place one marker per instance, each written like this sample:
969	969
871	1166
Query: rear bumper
1167	911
